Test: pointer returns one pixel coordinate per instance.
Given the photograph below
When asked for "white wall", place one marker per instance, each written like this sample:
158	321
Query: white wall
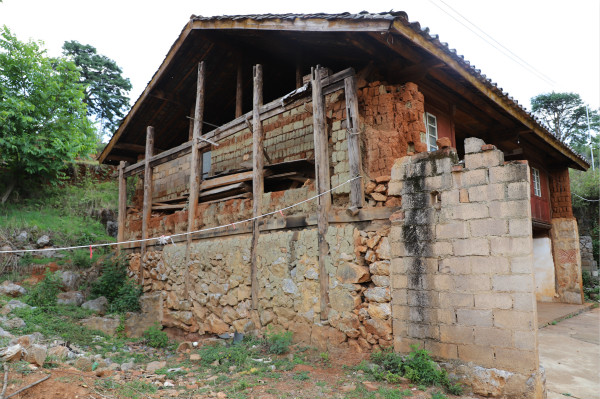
543	266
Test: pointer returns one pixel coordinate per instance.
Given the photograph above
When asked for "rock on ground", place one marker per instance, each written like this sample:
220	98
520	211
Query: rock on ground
36	354
11	289
75	298
97	305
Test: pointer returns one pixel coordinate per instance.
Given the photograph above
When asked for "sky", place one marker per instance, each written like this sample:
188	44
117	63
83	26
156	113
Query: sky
557	43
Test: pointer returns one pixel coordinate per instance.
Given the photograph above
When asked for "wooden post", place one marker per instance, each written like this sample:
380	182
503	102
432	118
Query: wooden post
195	165
238	92
122	208
191	128
298	76
257	177
323	183
353	137
147	207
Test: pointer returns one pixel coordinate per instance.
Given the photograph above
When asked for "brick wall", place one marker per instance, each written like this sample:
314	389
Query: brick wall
393	119
560	194
462	274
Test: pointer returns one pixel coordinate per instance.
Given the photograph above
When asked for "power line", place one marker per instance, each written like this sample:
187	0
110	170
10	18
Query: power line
501	48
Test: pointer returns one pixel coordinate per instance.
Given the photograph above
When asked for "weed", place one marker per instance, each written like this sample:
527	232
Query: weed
44	293
325	357
321	384
278	343
81	259
390	393
301	376
155	337
438	395
122	294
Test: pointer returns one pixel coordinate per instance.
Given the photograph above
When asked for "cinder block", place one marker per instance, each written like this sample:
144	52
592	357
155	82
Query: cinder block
516	360
510	209
521	264
509	173
471	246
493	301
488	227
491	336
454	265
450	197
441	350
472	283
484	159
452	300
456	334
466	211
395	187
426	331
526	340
399	281
489	264
513	283
443	282
481	355
474	317
519	190
474	177
514	320
456	229
473	145
400	313
524	302
520	227
442	248
511	246
446	316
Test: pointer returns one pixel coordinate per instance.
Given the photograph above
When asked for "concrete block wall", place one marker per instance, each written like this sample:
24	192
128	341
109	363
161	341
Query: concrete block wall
461	271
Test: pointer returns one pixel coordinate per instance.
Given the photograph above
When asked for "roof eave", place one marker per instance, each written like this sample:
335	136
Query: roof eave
404	28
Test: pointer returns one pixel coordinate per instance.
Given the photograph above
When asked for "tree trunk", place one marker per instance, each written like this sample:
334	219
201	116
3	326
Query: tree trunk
11	186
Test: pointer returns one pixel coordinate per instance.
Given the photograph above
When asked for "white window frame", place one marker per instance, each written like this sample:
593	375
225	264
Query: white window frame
432	131
536	181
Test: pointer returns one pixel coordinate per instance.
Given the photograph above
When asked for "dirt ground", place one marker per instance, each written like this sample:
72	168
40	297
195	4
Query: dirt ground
334	378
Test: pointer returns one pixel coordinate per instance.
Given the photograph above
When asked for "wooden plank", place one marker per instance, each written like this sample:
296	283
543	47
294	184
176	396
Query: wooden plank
223	189
167	207
196	161
122	207
323	184
244	195
299	82
257	178
239	91
147	205
353	137
225	180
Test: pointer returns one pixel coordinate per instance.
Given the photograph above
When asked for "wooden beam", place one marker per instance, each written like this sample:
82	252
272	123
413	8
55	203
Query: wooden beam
258	184
323	183
239	91
195	163
122	207
299	82
353	137
147	205
123	158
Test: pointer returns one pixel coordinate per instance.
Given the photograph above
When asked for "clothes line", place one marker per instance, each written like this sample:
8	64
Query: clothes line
165	239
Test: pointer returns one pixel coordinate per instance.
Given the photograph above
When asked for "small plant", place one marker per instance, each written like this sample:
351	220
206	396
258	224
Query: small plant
279	343
325	357
44	293
438	395
155	337
301	376
81	259
122	293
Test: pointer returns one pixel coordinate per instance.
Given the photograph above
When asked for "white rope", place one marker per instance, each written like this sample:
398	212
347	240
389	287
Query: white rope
585	199
163	240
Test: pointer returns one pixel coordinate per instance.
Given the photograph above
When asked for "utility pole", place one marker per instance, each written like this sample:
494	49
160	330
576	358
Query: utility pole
587	114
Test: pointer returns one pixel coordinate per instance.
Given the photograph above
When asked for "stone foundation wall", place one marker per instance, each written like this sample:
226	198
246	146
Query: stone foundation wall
567	260
217	296
588	263
461	270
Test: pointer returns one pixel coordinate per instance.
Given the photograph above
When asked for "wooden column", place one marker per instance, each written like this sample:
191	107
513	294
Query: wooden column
122	208
196	159
239	92
298	76
147	207
323	183
353	138
191	128
257	177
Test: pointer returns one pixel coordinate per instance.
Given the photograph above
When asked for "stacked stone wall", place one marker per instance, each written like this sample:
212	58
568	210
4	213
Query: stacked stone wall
567	260
462	272
588	263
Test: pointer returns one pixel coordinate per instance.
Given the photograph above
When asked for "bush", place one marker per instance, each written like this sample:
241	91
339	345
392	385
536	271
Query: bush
44	293
81	259
155	337
278	343
122	294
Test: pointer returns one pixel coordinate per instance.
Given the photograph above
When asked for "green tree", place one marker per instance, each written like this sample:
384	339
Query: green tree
565	115
43	122
106	88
